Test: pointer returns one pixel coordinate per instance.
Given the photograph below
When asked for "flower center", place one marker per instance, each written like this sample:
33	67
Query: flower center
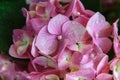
59	37
92	55
78	13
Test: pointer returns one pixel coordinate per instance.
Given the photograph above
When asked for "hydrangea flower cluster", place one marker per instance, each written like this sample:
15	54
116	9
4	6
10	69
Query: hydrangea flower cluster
62	40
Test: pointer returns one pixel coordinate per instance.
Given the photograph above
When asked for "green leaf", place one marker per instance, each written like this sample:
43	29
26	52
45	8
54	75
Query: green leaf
92	5
10	17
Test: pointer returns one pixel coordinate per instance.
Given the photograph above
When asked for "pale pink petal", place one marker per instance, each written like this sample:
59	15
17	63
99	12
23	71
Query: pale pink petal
44	62
81	47
73	31
45	42
103	62
97	26
13	53
104	76
55	24
82	74
64	59
104	43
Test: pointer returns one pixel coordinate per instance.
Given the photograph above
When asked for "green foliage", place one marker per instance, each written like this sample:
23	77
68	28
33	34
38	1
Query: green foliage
92	5
10	17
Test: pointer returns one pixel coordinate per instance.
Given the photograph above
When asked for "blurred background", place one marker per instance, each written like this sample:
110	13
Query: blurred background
11	16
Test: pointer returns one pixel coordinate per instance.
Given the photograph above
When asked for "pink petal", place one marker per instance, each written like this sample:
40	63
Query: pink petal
18	34
86	74
70	8
41	8
113	63
64	59
62	45
79	9
97	26
34	50
28	27
13	53
115	28
102	64
73	31
45	62
82	20
6	69
38	23
21	44
104	76
55	24
116	39
76	58
45	9
104	43
45	42
81	47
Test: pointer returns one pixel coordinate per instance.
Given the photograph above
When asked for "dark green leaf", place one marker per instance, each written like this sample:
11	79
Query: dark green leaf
10	17
92	4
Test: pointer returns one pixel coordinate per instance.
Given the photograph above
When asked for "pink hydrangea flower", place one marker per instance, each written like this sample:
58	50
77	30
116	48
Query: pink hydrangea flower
100	29
38	15
58	31
62	42
42	63
22	41
6	69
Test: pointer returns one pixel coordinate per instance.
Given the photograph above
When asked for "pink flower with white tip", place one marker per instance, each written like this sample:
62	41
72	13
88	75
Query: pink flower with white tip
59	33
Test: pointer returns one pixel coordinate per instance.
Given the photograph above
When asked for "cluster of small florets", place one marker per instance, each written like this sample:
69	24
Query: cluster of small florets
62	40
